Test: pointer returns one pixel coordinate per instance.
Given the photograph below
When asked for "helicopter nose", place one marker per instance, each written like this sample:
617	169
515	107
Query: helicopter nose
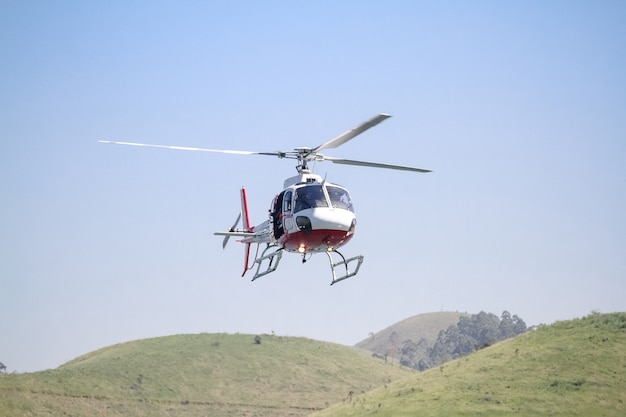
321	229
328	219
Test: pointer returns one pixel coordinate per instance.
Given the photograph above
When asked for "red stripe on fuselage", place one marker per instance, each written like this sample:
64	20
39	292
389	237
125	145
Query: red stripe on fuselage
315	240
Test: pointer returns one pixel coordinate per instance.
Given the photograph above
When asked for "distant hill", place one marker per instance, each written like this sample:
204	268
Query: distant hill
198	375
575	367
570	368
422	326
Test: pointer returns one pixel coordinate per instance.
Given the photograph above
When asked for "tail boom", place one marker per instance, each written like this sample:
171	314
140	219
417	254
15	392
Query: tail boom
248	234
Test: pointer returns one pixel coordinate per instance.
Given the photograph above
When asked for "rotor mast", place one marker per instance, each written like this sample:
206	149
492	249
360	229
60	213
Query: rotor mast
303	155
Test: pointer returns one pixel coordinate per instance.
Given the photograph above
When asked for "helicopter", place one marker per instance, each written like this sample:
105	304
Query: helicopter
309	216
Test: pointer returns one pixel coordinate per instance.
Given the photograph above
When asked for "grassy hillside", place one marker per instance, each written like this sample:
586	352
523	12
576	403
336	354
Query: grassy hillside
198	375
571	368
425	326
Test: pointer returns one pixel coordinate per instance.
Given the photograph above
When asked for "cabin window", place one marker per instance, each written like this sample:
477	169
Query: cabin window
310	196
339	197
287	202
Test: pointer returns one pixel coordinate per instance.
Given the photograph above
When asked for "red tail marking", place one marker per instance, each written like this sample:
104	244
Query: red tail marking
247	228
244	210
246	259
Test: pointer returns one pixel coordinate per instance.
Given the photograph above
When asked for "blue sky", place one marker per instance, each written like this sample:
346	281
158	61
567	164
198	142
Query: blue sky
518	107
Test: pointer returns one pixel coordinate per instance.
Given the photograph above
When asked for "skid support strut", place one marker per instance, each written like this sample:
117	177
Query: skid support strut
345	262
272	255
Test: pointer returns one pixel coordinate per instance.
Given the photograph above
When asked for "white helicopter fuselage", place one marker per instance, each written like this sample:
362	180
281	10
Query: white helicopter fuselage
312	215
309	216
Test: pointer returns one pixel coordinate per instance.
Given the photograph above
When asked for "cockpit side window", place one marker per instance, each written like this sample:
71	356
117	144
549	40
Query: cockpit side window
287	202
339	197
310	196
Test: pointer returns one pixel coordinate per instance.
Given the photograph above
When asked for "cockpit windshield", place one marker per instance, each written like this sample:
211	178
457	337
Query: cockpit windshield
310	196
339	197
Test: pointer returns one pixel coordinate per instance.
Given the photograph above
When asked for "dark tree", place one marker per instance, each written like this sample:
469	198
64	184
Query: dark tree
511	325
483	327
452	344
468	335
415	355
506	325
519	326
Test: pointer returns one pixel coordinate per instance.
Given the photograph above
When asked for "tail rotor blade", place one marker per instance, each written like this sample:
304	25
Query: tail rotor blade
232	229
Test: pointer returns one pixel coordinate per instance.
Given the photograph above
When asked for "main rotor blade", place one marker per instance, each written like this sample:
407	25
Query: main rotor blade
186	148
373	164
350	134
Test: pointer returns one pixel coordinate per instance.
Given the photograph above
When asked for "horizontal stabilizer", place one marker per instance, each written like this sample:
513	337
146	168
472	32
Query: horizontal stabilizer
240	234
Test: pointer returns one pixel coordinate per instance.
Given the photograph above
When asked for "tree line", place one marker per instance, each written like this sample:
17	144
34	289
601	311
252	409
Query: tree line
468	335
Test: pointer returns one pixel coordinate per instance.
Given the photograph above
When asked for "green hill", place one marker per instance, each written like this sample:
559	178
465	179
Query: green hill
571	368
422	326
199	375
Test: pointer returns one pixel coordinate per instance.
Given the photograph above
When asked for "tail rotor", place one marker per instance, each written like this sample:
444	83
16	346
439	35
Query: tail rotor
232	229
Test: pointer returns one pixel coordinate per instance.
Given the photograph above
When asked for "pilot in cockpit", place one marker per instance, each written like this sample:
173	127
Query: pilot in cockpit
310	197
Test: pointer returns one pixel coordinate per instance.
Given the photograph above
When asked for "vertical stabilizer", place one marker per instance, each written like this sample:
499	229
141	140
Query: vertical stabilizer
244	211
246	259
246	227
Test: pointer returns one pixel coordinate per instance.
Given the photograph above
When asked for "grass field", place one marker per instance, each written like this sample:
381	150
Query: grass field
571	368
198	375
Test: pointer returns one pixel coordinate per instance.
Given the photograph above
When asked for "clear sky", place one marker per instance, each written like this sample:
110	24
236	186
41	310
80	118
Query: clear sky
518	107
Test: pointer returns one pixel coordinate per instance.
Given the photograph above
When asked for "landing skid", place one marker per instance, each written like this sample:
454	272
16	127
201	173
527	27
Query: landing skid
271	257
345	262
